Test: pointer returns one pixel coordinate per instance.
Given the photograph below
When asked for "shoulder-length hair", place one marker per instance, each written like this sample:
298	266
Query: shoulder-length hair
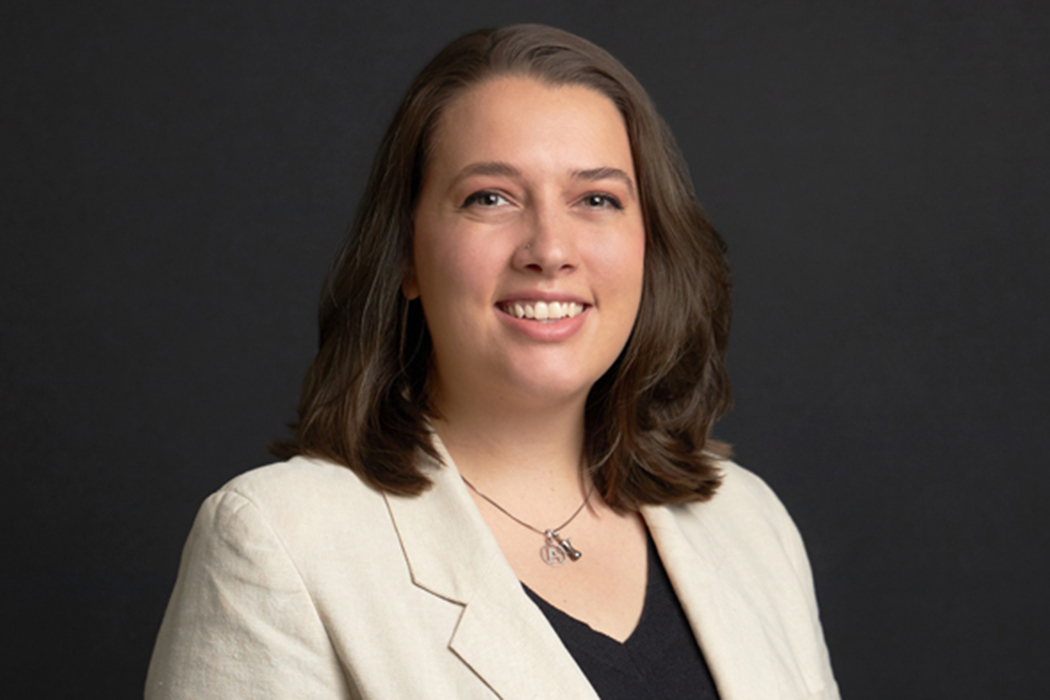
365	398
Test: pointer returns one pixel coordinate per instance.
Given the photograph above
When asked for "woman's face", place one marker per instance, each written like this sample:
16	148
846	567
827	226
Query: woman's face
529	243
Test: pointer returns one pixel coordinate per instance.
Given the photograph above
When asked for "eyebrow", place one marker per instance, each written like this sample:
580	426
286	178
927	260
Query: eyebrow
595	174
495	168
502	169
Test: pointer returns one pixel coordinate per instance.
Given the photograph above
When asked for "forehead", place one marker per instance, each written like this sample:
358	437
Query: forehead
518	117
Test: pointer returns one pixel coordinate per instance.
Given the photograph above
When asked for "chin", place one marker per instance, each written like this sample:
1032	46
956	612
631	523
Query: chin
550	391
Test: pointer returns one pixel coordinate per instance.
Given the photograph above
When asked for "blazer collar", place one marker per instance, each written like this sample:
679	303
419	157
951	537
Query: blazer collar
501	634
506	640
745	652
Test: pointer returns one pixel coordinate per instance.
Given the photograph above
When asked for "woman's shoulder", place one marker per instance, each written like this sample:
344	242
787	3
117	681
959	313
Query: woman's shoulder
742	487
297	478
299	495
745	511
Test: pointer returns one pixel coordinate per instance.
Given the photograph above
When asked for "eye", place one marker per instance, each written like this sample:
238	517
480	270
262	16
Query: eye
485	198
601	201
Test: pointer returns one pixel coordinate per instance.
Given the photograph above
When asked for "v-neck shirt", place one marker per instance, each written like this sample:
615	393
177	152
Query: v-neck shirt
660	660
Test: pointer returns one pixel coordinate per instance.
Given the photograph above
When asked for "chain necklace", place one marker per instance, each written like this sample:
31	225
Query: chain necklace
556	550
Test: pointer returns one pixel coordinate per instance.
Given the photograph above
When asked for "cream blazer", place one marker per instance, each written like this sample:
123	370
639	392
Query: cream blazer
298	581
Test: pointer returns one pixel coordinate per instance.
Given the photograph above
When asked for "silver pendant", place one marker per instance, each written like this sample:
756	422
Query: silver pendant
557	550
552	555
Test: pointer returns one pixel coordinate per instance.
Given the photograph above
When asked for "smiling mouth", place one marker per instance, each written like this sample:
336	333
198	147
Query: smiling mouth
542	310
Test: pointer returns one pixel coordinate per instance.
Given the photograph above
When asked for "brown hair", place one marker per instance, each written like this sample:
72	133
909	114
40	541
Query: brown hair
364	399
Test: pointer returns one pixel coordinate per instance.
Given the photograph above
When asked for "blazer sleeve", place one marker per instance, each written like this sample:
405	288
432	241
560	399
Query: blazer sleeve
817	663
241	623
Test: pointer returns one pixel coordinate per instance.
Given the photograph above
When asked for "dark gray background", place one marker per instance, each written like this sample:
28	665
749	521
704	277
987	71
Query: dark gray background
176	177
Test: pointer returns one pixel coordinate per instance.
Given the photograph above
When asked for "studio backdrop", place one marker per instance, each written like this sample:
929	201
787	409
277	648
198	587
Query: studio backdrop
178	176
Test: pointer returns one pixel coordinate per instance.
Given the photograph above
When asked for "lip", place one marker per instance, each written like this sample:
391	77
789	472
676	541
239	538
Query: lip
537	295
545	331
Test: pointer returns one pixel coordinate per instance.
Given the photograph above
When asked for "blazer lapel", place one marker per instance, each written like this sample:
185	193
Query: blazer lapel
501	635
741	648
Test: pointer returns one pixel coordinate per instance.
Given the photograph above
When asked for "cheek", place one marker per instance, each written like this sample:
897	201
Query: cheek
636	261
622	267
450	269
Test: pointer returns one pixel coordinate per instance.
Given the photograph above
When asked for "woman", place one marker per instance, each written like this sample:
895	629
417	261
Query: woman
501	482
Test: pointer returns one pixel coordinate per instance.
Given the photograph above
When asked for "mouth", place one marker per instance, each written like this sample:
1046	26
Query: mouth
542	311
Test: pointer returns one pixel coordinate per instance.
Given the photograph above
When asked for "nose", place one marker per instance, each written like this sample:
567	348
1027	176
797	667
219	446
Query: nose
549	247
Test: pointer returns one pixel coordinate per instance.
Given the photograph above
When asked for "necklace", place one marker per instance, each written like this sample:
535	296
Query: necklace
556	549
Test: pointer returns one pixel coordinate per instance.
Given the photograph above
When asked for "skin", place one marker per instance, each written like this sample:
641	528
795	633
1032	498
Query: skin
530	194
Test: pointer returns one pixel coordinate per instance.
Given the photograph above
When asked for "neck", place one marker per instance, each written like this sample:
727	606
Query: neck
510	447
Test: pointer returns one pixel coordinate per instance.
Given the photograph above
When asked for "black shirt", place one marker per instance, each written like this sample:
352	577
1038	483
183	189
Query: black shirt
659	661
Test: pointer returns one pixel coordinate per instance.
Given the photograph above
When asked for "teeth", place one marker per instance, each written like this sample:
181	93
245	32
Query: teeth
544	311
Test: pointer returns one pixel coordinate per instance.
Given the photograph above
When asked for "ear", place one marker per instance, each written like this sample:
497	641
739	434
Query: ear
409	286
